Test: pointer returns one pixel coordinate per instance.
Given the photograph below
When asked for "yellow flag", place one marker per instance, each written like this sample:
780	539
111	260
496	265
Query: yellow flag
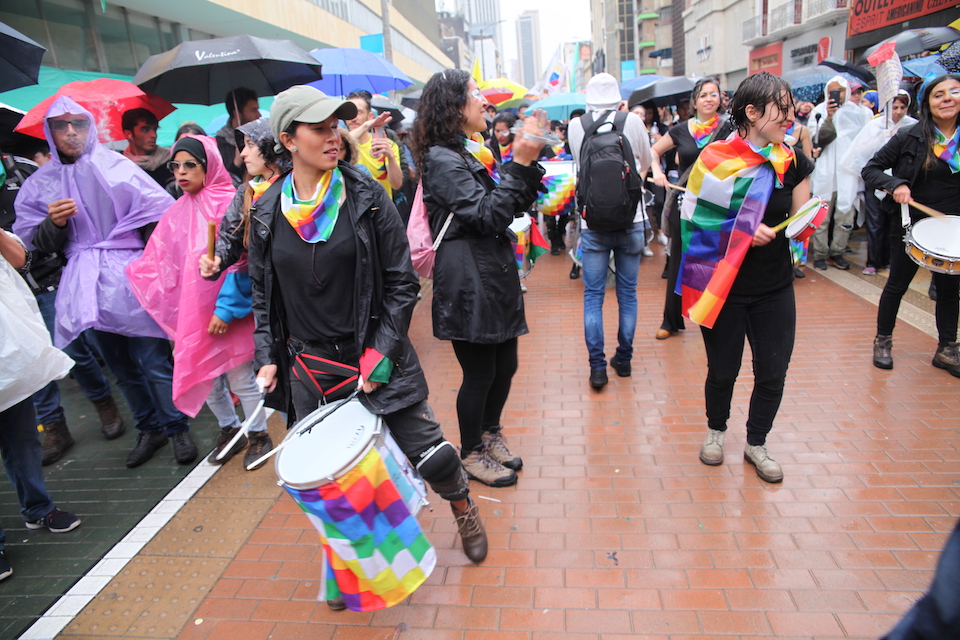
476	71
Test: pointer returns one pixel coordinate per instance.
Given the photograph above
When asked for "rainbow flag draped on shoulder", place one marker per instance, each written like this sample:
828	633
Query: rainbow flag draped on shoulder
726	198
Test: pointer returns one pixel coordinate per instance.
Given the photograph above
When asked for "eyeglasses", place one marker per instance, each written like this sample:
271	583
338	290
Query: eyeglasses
81	124
189	165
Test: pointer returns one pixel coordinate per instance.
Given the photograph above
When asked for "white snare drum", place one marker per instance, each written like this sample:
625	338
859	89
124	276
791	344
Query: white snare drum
521	248
811	215
934	244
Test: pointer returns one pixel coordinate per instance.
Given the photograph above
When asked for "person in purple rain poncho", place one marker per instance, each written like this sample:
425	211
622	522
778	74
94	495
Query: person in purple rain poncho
97	207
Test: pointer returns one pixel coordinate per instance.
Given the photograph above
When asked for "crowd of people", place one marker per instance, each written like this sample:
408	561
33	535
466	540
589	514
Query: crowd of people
310	290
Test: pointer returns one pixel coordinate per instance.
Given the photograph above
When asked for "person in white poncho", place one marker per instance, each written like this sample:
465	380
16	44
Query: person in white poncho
29	362
833	126
850	190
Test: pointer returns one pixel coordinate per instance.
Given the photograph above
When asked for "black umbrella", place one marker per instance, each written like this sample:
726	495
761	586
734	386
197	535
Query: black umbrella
860	73
412	99
914	41
203	71
10	117
665	92
19	59
381	104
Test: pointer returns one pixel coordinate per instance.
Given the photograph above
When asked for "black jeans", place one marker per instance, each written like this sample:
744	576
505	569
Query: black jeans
672	307
770	323
877	223
902	271
487	373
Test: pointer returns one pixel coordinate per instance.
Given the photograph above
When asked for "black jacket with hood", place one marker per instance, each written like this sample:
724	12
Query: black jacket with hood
905	154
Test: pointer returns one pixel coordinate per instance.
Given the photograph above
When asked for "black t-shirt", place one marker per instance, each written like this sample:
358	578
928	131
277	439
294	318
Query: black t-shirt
938	188
317	280
687	149
769	268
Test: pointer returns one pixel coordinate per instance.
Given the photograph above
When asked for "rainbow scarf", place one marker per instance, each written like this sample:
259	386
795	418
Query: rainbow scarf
260	186
948	150
506	153
483	153
560	181
726	198
375	552
703	130
314	219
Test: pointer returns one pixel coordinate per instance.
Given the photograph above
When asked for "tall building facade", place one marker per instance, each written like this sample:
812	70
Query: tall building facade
528	47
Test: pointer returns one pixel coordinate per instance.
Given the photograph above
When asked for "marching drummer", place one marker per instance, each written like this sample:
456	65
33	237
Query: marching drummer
926	168
332	279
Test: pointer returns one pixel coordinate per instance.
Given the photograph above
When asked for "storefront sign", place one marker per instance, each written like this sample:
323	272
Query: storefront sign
768	58
823	49
868	15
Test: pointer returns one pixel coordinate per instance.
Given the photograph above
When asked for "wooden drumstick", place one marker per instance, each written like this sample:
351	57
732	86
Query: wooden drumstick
930	211
669	185
211	237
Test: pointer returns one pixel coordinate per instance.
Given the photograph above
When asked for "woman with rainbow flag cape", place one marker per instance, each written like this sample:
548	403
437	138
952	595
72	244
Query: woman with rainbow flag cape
736	273
477	302
333	293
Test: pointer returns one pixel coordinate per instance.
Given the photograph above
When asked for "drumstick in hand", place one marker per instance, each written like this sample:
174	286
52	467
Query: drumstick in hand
669	185
930	211
211	237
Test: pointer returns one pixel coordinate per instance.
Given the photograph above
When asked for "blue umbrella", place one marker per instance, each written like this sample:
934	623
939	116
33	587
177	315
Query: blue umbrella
631	85
923	67
808	83
559	105
346	70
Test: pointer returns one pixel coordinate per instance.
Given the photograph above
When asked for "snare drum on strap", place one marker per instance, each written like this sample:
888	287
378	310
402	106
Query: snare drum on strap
360	492
934	244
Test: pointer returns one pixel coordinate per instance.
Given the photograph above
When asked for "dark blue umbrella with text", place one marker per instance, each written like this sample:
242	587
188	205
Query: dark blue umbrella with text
19	59
203	71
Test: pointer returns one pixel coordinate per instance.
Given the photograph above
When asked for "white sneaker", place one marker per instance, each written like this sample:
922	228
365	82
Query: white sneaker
662	238
767	468
711	452
647	252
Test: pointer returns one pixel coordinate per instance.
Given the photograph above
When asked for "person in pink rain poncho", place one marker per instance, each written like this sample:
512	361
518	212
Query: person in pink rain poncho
97	207
209	322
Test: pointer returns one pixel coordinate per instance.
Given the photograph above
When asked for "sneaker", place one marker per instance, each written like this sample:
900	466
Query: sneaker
226	435
948	358
711	452
767	468
662	238
147	444
480	466
111	422
260	445
882	356
184	449
623	369
840	263
56	440
820	264
5	569
495	445
472	534
647	252
598	378
56	521
869	271
523	288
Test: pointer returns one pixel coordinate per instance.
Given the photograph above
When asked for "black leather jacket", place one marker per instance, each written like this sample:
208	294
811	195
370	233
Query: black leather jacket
904	153
385	293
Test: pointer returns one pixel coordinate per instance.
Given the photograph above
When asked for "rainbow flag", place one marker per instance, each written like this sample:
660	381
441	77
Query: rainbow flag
560	179
726	198
375	552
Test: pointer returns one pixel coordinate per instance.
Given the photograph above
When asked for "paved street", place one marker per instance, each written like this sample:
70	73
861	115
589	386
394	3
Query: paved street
615	530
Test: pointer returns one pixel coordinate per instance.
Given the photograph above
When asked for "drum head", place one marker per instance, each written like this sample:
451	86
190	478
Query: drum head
809	210
329	449
939	236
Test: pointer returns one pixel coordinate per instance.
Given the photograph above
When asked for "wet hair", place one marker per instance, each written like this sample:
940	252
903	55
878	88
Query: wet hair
362	95
190	128
237	99
926	123
440	116
698	87
133	117
759	90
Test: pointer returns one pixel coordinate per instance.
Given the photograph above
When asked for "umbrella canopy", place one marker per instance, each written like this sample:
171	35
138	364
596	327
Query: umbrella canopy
203	71
412	99
559	106
504	83
381	104
346	70
106	98
513	105
19	59
664	92
9	118
914	41
631	85
922	67
865	76
497	95
808	82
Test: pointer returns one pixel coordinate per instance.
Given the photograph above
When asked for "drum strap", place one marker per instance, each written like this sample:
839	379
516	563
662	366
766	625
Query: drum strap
314	372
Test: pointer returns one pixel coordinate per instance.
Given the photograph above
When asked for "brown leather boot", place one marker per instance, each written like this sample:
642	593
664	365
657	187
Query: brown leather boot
111	422
472	534
56	440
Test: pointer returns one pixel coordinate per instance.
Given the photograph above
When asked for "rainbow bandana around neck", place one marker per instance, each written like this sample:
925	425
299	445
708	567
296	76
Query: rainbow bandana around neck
948	150
314	219
726	198
483	153
259	184
703	130
506	153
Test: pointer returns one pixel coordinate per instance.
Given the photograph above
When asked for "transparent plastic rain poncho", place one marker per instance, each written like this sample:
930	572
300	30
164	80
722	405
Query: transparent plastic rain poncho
848	120
167	282
28	360
114	199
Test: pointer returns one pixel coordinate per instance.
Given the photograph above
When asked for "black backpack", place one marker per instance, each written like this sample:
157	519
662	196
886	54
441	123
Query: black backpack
608	189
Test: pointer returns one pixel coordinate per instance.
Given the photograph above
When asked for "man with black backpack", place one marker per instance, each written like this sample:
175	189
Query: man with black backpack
612	153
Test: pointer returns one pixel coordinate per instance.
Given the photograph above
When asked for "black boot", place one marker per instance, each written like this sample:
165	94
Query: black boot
882	346
147	444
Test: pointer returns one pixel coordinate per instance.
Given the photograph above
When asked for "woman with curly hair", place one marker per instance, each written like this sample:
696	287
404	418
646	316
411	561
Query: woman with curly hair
477	303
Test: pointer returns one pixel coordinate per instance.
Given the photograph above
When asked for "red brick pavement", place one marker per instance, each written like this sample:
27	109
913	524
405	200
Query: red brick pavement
616	530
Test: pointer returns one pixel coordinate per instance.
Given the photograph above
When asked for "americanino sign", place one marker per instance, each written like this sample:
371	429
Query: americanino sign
868	15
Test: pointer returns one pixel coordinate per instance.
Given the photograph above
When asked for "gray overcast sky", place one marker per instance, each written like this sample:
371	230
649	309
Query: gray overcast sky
560	21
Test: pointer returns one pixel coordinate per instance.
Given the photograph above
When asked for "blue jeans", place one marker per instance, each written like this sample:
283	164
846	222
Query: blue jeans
627	246
243	382
143	368
86	372
20	449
